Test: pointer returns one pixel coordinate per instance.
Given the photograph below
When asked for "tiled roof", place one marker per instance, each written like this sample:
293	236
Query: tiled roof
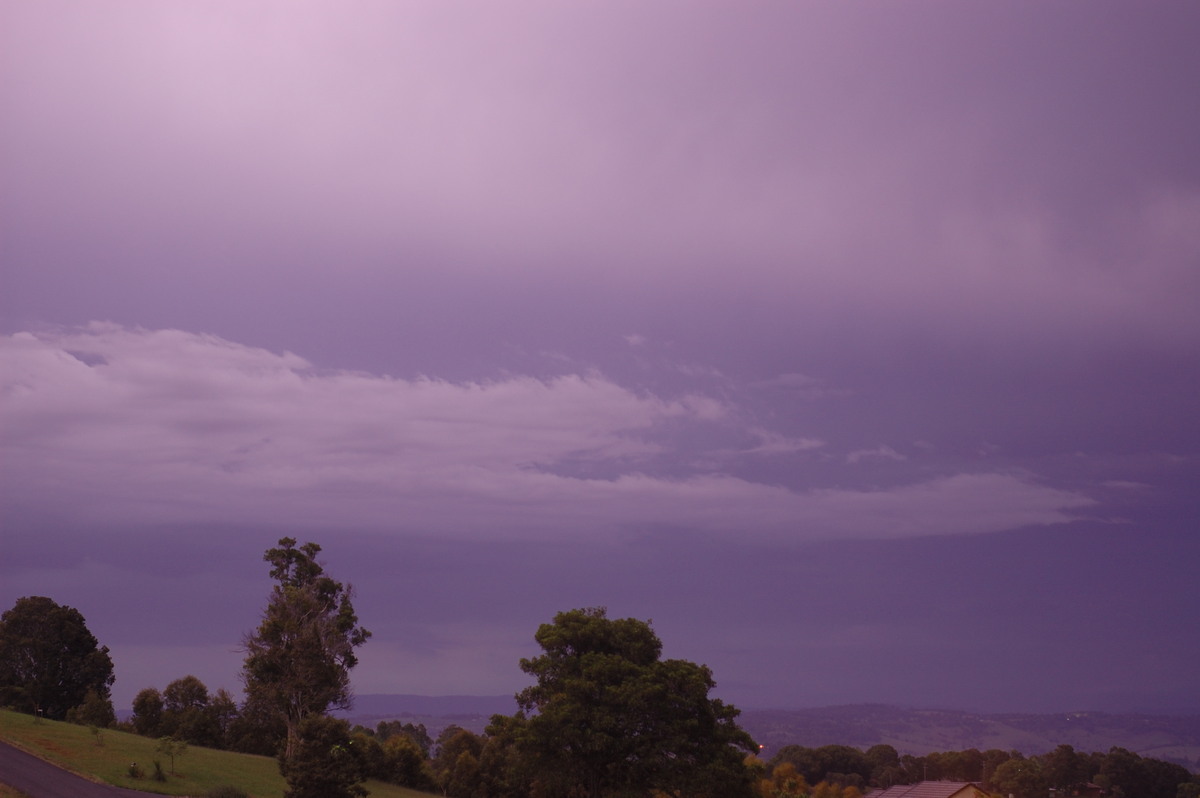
929	789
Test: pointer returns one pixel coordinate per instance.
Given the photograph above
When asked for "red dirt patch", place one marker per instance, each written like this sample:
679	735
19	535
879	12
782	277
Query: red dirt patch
51	746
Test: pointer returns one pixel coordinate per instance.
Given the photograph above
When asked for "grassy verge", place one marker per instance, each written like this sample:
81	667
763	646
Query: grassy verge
106	758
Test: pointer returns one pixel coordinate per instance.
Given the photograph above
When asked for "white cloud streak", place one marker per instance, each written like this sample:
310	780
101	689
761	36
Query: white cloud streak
168	426
881	452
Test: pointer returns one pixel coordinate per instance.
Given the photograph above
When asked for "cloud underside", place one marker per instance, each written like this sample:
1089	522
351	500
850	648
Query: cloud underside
945	182
128	426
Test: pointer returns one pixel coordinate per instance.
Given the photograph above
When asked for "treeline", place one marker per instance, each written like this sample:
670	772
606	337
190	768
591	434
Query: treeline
399	753
1119	773
463	764
605	717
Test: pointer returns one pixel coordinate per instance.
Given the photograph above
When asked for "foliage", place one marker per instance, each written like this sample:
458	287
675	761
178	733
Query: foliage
405	764
147	712
171	748
97	734
186	713
72	746
884	762
607	717
222	713
395	757
456	765
784	782
257	729
298	661
837	764
1135	777
1120	772
828	789
414	731
96	710
325	763
504	770
1068	772
48	658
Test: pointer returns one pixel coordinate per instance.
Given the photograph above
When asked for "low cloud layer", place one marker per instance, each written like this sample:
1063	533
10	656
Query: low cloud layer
133	426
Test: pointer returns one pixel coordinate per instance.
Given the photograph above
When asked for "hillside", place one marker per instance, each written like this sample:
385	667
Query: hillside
106	757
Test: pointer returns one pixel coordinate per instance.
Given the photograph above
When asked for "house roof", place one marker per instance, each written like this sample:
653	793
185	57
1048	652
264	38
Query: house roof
930	789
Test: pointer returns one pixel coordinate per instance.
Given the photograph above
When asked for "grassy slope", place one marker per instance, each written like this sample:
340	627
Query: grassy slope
107	759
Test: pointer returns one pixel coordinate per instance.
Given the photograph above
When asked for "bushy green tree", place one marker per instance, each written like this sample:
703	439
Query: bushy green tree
504	770
95	711
456	764
784	782
172	748
1020	777
186	713
148	712
1064	769
49	660
370	752
223	713
405	763
607	717
324	763
836	764
416	732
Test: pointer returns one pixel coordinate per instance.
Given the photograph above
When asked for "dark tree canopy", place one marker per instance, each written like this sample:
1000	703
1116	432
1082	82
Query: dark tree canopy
456	765
187	714
147	712
49	661
325	763
298	661
607	717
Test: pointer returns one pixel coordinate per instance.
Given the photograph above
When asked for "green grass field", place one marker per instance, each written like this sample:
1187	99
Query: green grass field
106	758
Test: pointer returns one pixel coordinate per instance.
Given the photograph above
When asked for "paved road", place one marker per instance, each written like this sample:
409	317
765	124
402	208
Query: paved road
39	779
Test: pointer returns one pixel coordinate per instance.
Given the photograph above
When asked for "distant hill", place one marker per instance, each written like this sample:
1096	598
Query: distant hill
437	706
1173	738
436	712
918	731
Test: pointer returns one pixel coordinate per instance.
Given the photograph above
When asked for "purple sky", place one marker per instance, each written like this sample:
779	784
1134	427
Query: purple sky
856	345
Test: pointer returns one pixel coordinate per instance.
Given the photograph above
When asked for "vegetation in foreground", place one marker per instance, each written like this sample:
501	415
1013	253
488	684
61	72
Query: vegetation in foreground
106	756
606	718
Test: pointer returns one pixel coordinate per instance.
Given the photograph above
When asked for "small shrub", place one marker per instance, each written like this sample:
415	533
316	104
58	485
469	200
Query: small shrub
158	772
226	791
134	771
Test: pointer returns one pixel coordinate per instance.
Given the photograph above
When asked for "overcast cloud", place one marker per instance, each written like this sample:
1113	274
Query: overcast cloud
786	325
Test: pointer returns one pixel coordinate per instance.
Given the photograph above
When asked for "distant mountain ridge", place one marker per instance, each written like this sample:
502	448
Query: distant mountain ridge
1173	738
919	731
441	706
